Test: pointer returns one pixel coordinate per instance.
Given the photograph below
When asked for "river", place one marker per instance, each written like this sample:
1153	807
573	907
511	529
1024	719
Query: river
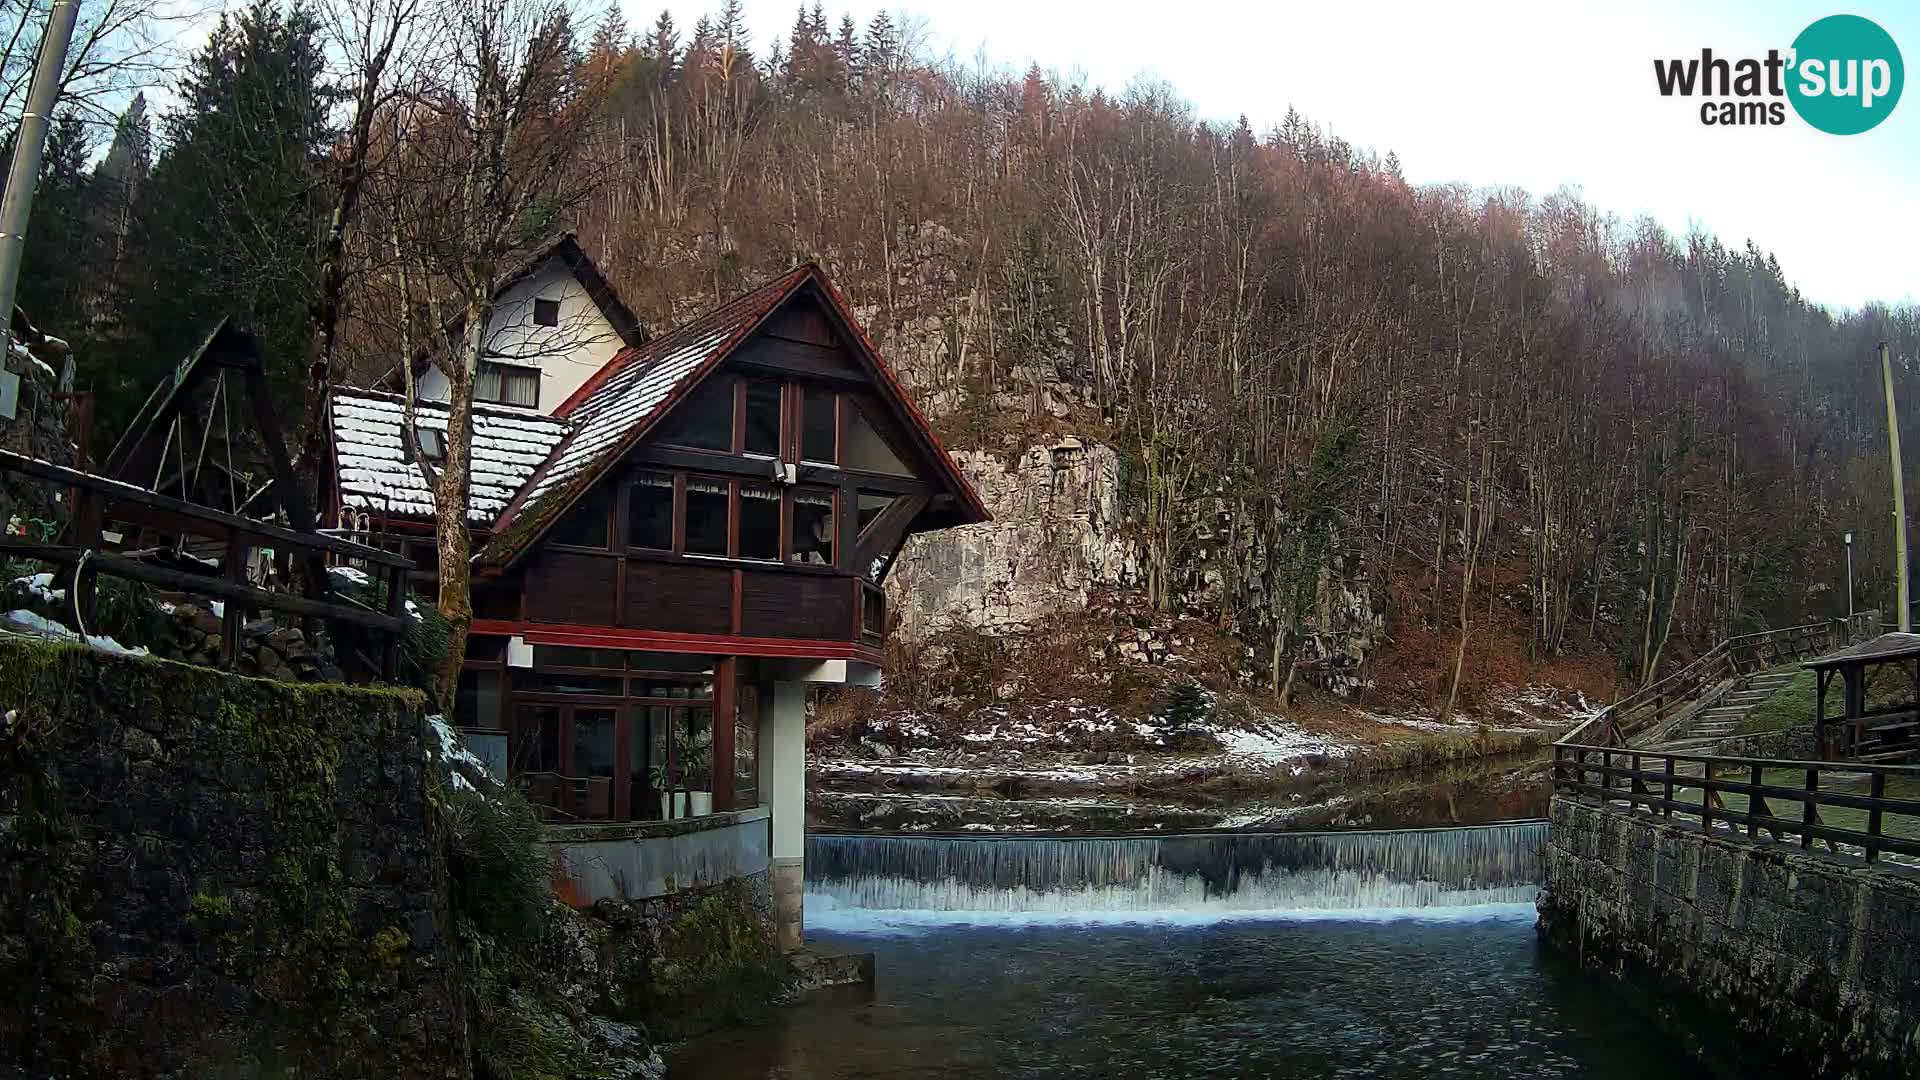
1292	957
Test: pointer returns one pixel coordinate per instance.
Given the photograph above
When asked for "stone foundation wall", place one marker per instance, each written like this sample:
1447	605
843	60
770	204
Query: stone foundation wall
1804	957
206	875
683	963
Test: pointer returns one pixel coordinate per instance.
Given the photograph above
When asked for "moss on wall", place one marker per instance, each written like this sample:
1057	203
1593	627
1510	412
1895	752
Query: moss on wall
202	873
696	960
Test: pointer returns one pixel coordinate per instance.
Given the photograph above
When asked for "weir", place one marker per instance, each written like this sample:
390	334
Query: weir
1193	872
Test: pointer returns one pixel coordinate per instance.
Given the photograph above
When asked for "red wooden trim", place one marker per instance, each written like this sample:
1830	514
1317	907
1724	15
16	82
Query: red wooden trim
723	721
614	637
739	590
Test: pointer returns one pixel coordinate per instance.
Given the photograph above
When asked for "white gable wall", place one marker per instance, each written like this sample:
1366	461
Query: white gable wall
567	354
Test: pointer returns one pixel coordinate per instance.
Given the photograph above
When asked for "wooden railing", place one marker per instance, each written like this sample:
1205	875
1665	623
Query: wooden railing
98	500
1846	805
1666	700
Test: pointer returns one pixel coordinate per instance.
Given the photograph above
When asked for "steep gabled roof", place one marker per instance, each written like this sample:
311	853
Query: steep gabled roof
613	410
377	475
565	247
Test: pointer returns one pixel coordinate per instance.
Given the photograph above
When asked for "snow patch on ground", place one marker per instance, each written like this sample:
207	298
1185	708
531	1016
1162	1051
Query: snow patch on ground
35	623
1275	743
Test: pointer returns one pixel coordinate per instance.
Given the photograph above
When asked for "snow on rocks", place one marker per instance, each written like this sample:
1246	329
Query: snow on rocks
40	587
445	746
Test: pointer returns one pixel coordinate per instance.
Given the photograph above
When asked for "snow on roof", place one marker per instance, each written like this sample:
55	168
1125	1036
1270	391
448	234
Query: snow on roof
628	397
376	476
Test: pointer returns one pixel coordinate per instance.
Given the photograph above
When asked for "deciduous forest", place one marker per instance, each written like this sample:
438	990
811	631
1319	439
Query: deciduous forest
1494	407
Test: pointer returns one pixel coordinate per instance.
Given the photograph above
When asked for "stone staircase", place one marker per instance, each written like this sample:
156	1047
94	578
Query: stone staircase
1723	717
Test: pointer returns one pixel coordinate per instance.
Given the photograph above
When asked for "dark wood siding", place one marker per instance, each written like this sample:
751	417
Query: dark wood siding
567	588
682	598
773	604
802	321
799	357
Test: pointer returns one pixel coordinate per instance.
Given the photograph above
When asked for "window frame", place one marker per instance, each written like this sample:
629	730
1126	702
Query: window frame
542	305
507	371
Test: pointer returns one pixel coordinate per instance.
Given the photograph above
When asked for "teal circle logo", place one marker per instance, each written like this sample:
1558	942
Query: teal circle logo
1847	74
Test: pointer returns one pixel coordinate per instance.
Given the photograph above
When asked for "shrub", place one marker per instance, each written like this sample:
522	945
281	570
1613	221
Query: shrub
1187	706
498	866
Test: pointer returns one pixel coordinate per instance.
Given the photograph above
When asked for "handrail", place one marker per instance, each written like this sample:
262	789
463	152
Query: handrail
1623	719
1655	789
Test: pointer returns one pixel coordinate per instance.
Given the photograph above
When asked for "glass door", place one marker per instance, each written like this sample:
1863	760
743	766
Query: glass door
595	735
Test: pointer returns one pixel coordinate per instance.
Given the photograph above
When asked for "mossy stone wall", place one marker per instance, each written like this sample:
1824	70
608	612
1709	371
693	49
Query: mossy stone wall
1801	962
204	875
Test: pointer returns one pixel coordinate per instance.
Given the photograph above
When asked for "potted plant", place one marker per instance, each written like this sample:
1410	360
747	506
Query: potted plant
673	804
697	759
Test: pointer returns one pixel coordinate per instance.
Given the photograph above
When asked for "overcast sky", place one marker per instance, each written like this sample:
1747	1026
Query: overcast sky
1535	94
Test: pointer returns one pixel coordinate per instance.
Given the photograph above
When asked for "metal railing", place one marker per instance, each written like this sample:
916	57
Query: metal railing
1735	794
1667	699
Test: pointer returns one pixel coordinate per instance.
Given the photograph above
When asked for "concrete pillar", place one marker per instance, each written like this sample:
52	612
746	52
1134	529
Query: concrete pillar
783	782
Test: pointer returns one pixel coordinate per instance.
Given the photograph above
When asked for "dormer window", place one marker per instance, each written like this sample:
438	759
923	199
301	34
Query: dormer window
506	384
546	313
432	444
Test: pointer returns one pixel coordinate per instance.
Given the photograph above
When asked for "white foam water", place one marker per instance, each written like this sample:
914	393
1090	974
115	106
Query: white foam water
1194	877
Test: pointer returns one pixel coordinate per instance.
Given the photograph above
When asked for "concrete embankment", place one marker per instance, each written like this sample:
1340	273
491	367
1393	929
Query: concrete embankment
1810	958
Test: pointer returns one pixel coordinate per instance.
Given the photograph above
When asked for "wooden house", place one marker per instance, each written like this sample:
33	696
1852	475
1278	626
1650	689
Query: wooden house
696	532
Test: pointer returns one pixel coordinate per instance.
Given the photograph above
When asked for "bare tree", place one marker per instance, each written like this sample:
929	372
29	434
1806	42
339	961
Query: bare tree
489	130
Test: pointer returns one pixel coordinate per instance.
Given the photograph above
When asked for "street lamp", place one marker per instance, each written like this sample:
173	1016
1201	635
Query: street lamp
1849	576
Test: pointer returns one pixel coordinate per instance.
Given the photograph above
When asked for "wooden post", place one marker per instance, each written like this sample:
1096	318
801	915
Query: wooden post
396	607
1706	796
1755	805
1668	808
1878	791
1808	813
234	572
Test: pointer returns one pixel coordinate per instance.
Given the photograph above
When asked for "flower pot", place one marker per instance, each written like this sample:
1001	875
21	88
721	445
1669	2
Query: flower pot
677	808
702	802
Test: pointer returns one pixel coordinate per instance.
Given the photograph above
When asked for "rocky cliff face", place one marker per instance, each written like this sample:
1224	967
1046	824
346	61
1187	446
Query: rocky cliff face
1056	539
1060	542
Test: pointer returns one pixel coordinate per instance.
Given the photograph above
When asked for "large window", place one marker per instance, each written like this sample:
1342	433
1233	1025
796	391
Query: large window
759	521
762	427
768	418
731	518
650	511
707	516
812	541
866	451
506	384
819	437
705	420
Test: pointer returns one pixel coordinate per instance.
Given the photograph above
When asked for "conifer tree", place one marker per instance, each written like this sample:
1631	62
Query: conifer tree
229	222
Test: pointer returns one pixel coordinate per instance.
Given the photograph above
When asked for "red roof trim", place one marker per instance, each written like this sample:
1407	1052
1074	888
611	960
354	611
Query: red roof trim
614	637
919	420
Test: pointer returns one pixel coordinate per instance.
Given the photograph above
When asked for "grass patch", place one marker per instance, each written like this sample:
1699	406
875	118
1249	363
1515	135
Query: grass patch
1793	703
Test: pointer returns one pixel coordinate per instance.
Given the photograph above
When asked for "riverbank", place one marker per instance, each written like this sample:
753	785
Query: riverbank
1072	769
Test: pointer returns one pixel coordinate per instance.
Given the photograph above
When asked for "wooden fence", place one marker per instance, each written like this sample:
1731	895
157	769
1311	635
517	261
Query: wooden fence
1839	803
98	499
1661	702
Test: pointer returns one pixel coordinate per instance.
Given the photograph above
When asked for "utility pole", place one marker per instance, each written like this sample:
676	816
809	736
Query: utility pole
28	148
1899	493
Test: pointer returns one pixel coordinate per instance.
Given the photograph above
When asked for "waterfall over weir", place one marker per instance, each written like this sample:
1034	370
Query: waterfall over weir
1198	873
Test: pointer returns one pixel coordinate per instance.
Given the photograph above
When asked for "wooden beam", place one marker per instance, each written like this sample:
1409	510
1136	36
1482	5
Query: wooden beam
887	530
762	469
117	491
108	562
